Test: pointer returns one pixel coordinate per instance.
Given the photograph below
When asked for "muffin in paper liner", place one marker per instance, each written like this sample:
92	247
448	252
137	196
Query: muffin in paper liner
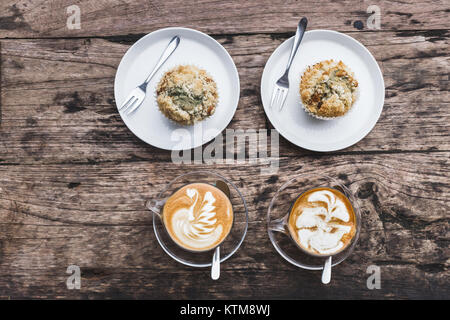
171	110
350	110
355	93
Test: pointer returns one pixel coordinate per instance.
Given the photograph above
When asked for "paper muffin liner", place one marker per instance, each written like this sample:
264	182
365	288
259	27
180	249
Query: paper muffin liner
170	67
315	115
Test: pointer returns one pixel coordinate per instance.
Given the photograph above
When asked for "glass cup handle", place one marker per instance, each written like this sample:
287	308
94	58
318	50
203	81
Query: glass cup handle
279	225
155	206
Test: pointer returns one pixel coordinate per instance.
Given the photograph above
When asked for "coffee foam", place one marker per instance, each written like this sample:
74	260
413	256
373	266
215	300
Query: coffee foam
324	221
198	216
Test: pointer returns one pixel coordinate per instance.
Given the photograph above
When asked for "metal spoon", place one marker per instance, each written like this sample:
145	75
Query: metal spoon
215	265
326	274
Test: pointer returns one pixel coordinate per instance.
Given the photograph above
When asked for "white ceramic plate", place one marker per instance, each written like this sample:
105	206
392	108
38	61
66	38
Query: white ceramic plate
196	48
293	123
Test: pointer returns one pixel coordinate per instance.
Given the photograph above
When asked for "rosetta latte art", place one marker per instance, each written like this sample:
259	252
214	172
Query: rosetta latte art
321	227
196	225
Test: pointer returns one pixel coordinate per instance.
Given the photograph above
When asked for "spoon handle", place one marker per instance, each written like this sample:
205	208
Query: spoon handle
215	267
326	274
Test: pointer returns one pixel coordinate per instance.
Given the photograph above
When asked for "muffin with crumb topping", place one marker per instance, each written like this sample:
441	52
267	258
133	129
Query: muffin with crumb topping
186	94
328	89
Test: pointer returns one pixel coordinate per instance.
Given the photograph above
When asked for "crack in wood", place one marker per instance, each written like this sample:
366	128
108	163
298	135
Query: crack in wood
433	34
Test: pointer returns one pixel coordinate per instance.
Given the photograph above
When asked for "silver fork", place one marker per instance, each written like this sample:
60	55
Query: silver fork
280	91
137	96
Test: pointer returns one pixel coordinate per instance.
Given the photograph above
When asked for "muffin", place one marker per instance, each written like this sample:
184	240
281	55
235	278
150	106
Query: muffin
187	94
328	89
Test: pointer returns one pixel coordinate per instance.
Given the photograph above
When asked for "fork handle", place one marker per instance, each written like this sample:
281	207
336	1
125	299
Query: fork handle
301	28
173	44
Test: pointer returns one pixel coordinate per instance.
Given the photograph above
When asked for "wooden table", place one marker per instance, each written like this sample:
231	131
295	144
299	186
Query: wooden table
74	179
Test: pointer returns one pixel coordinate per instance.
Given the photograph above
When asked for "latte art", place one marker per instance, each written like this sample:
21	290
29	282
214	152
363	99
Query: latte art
197	227
198	216
322	221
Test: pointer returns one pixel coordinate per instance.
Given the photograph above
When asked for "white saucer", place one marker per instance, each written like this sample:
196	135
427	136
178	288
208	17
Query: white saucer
293	123
196	48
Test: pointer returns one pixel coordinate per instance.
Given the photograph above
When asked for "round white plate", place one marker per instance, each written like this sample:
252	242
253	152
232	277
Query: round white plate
293	123
196	48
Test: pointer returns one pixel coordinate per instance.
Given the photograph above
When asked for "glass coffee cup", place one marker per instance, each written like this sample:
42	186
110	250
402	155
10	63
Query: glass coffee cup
228	245
280	210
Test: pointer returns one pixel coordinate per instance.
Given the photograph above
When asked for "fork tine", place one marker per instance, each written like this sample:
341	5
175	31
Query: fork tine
274	95
134	105
280	97
283	99
127	103
280	92
133	101
131	104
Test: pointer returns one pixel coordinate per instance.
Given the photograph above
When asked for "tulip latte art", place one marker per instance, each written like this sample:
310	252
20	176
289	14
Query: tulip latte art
198	216
322	221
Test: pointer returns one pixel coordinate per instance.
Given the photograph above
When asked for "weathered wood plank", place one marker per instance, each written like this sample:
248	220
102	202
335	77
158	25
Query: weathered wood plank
94	216
35	19
143	283
124	187
58	106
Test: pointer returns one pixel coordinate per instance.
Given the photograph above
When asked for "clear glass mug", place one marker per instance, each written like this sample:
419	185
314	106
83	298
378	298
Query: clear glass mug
200	258
278	215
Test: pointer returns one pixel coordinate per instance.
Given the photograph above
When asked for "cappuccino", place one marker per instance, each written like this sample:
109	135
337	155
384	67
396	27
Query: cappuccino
198	216
322	221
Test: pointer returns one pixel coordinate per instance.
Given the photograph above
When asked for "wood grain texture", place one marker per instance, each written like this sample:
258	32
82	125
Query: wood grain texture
37	18
74	180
